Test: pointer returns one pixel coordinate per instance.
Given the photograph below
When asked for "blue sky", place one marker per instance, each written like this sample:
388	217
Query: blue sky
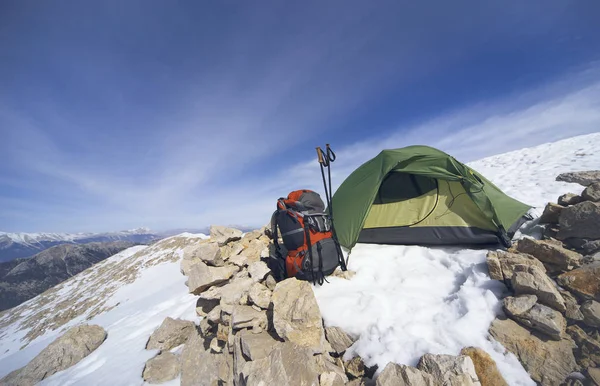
119	114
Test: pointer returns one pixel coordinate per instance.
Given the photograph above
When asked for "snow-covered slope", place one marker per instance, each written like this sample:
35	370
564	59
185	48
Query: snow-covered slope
402	303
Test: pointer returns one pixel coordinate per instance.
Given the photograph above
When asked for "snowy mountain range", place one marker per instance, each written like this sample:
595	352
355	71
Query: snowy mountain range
390	304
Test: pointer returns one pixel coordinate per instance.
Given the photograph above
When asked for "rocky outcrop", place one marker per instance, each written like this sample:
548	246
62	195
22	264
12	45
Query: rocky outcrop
170	334
66	351
29	277
584	281
485	367
548	362
554	257
162	368
580	221
394	374
532	281
584	178
296	315
526	311
450	370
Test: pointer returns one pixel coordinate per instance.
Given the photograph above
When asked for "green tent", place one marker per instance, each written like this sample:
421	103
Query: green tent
421	195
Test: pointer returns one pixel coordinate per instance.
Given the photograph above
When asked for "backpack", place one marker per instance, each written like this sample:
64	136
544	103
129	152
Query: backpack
306	230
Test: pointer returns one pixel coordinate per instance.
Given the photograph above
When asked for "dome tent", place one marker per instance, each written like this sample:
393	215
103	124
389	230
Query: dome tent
421	195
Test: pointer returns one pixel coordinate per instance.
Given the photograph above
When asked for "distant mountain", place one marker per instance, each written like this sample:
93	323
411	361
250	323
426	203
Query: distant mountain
25	278
16	245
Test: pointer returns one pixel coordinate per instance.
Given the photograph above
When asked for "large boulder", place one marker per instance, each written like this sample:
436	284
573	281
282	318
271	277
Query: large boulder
526	311
296	315
394	374
170	334
551	213
449	370
548	362
338	339
580	221
501	264
162	368
532	281
224	235
584	281
66	351
202	277
199	367
592	192
591	313
569	199
287	364
550	253
584	178
485	367
588	349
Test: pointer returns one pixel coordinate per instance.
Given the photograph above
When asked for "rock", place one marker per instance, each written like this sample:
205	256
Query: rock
581	220
231	293
449	370
573	312
254	251
209	253
239	360
485	367
532	281
223	235
594	374
584	178
501	264
162	368
590	247
591	313
551	213
326	364
397	375
547	362
260	295
249	237
258	270
67	350
338	339
331	378
230	250
246	316
296	314
214	316
355	367
526	311
569	199
356	382
257	346
549	253
202	277
288	364
205	306
270	282
588	348
170	334
584	281
592	192
200	367
343	274
214	346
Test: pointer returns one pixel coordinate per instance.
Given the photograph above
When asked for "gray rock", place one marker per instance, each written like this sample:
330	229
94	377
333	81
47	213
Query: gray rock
551	213
532	281
162	368
584	178
338	339
590	247
202	277
331	378
248	317
231	250
257	346
170	334
66	351
258	271
548	362
200	367
581	221
205	306
401	375
569	199
573	311
231	293
591	313
592	192
449	370
550	253
214	316
270	282
296	315
209	253
260	295
224	235
485	367
584	281
536	316
587	350
501	264
519	305
288	364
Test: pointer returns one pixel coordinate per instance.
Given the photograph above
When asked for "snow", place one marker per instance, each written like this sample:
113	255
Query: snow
34	238
403	302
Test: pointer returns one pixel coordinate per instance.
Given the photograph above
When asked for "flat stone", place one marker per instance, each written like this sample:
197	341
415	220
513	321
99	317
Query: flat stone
530	280
485	367
580	221
584	281
338	339
257	346
162	368
396	375
449	369
543	319
591	313
550	253
248	317
519	305
584	178
202	277
170	334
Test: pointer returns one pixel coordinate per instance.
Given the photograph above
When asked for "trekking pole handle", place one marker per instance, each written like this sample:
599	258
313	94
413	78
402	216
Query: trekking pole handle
330	153
320	155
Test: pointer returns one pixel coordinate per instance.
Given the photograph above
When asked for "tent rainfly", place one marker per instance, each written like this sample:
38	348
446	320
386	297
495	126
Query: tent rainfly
421	195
